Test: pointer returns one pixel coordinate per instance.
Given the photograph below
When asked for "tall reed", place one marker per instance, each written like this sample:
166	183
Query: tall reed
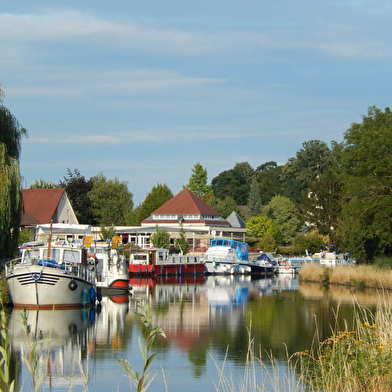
352	360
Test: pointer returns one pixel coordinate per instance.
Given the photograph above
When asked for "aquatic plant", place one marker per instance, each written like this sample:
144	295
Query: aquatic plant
143	379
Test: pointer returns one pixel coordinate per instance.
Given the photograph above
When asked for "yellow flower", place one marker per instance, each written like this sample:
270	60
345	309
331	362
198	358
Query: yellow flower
381	347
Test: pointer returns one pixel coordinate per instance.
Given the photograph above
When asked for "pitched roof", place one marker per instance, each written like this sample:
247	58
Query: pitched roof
40	205
183	203
235	220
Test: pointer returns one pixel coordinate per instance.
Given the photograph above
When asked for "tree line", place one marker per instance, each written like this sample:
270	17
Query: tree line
339	193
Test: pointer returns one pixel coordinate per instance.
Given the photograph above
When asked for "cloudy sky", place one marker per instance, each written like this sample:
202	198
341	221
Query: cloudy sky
142	91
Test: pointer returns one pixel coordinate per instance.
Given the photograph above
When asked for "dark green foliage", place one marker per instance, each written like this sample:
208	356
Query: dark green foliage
285	214
158	196
366	221
310	242
78	188
255	204
234	183
224	207
110	200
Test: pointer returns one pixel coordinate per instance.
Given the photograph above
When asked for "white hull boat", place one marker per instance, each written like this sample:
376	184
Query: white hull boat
112	268
226	256
51	277
330	256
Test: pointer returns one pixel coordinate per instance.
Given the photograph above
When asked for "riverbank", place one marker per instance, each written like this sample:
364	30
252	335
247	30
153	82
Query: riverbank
357	276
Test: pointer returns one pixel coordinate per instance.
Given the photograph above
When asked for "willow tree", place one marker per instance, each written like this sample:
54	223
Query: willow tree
11	133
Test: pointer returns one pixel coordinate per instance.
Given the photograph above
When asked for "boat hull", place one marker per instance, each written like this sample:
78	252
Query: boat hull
40	287
226	268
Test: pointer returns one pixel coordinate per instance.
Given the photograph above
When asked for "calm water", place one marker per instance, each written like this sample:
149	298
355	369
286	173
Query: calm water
205	319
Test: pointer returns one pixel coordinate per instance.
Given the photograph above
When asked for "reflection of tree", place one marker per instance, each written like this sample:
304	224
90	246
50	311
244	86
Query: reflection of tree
197	356
288	319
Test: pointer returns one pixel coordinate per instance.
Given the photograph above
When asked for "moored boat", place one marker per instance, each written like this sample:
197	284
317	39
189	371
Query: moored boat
111	266
225	256
155	262
331	256
51	277
263	264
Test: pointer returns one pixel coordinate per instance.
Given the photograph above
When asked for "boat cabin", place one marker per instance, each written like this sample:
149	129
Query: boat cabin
240	247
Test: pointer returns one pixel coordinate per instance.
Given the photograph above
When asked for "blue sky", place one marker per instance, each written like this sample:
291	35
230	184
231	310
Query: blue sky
142	91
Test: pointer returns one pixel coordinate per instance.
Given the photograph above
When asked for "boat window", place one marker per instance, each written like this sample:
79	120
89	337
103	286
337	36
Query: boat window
31	255
219	242
70	256
226	242
140	257
54	254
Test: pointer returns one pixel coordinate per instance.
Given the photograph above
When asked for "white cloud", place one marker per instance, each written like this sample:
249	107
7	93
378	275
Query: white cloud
81	27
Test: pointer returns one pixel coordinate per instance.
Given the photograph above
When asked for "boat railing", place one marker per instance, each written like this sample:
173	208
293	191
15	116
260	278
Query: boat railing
221	259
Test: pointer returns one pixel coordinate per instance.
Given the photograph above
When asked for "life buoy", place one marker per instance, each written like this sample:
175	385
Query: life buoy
286	267
92	260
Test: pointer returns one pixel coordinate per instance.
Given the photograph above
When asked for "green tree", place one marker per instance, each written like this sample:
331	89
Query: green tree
224	207
234	183
181	243
111	200
255	204
108	232
285	214
261	225
158	196
309	162
367	166
78	188
42	184
11	133
161	238
198	182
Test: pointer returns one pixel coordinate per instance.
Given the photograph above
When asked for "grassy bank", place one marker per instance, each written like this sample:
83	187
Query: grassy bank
358	277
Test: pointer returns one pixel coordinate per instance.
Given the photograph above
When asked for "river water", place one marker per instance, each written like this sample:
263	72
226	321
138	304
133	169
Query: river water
207	322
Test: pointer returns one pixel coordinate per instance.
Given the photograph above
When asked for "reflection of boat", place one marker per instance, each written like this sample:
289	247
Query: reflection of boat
112	266
226	293
226	256
61	340
331	256
286	282
51	276
154	262
110	323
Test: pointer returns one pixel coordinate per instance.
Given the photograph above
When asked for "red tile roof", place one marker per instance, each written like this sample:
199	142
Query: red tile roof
40	205
183	203
186	203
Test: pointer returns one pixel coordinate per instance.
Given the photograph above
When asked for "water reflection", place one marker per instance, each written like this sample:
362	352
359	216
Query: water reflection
202	317
60	339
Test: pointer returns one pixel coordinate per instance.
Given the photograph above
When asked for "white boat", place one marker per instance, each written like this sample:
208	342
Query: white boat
226	256
292	265
51	277
330	256
263	264
111	266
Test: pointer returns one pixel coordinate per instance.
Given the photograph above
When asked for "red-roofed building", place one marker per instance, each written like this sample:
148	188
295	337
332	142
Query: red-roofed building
44	205
200	222
188	209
